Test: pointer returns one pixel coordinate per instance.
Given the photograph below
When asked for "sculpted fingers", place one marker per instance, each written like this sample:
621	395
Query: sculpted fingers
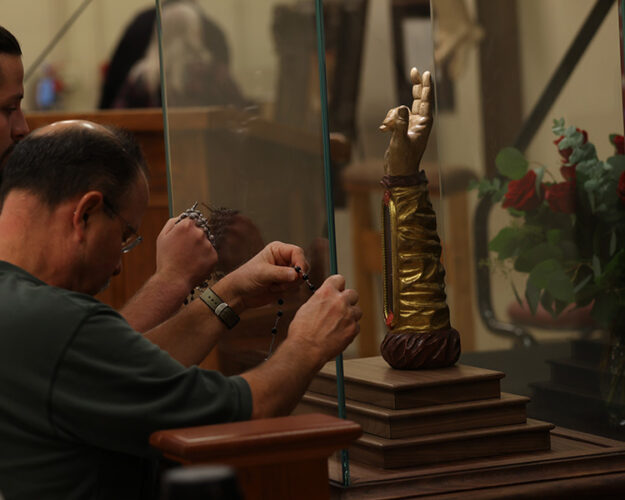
417	89
415	79
425	107
427	79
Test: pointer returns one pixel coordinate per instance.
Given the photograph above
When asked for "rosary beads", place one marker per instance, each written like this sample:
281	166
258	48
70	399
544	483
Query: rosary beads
213	229
200	221
274	330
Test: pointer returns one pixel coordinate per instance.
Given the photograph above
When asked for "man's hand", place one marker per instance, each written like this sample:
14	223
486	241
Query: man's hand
264	278
322	328
184	258
184	254
328	322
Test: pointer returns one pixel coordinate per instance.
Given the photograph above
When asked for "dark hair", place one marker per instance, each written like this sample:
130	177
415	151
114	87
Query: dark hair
57	165
8	43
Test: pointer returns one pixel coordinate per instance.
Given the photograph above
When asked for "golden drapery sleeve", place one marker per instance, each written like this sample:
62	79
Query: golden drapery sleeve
419	334
414	289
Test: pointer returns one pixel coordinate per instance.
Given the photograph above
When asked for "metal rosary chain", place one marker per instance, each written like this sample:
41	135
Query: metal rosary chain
202	222
215	229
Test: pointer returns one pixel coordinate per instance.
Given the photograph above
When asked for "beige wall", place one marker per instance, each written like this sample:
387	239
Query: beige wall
81	52
89	43
590	100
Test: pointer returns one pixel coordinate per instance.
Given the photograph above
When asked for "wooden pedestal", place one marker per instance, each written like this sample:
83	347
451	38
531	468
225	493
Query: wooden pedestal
450	433
417	417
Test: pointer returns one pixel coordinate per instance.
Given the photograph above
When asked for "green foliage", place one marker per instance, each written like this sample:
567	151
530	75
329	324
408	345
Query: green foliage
512	240
495	188
569	258
511	163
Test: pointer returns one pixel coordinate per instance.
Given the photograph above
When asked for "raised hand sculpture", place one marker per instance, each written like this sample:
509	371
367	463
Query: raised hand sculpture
419	333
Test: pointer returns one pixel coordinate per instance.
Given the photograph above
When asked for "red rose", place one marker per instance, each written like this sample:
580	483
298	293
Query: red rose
621	187
565	153
619	144
561	197
521	194
568	173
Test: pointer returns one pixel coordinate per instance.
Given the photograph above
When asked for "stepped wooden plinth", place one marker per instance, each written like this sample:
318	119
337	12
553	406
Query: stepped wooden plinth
417	417
450	446
424	421
577	466
460	439
372	380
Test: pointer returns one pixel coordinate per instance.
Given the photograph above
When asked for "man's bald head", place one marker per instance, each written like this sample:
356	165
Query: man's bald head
65	159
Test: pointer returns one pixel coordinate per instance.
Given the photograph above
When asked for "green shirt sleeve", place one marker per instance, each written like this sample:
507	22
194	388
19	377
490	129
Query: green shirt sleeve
112	388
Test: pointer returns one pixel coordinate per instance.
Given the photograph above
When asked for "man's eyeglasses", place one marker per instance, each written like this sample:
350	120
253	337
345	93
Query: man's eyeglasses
131	236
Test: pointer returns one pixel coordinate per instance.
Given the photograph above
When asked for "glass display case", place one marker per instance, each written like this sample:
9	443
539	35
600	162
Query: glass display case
548	219
534	267
248	145
244	128
524	163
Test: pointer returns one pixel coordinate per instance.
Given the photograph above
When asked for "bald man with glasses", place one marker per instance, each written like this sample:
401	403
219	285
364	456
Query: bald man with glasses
80	389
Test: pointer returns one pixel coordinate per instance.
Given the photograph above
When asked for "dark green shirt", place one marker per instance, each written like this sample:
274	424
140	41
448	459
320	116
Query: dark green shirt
81	392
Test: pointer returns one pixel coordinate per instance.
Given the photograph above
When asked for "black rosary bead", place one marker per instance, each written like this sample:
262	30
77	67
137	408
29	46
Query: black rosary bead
279	314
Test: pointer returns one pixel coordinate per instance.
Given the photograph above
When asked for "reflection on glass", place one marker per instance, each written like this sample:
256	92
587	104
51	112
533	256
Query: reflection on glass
198	69
550	223
256	173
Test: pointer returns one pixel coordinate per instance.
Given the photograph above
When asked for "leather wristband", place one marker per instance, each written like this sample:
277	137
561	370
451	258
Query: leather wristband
223	311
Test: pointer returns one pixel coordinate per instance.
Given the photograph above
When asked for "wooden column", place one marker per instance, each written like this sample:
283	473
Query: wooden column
275	458
502	111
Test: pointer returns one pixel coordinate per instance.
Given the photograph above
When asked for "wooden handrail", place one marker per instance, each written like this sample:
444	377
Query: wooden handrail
278	458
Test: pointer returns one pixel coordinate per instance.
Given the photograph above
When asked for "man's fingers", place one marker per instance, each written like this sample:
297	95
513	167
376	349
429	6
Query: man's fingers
168	225
336	281
357	313
285	254
351	296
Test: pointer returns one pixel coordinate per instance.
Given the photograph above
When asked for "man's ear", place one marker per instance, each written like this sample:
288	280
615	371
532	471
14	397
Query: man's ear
88	204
